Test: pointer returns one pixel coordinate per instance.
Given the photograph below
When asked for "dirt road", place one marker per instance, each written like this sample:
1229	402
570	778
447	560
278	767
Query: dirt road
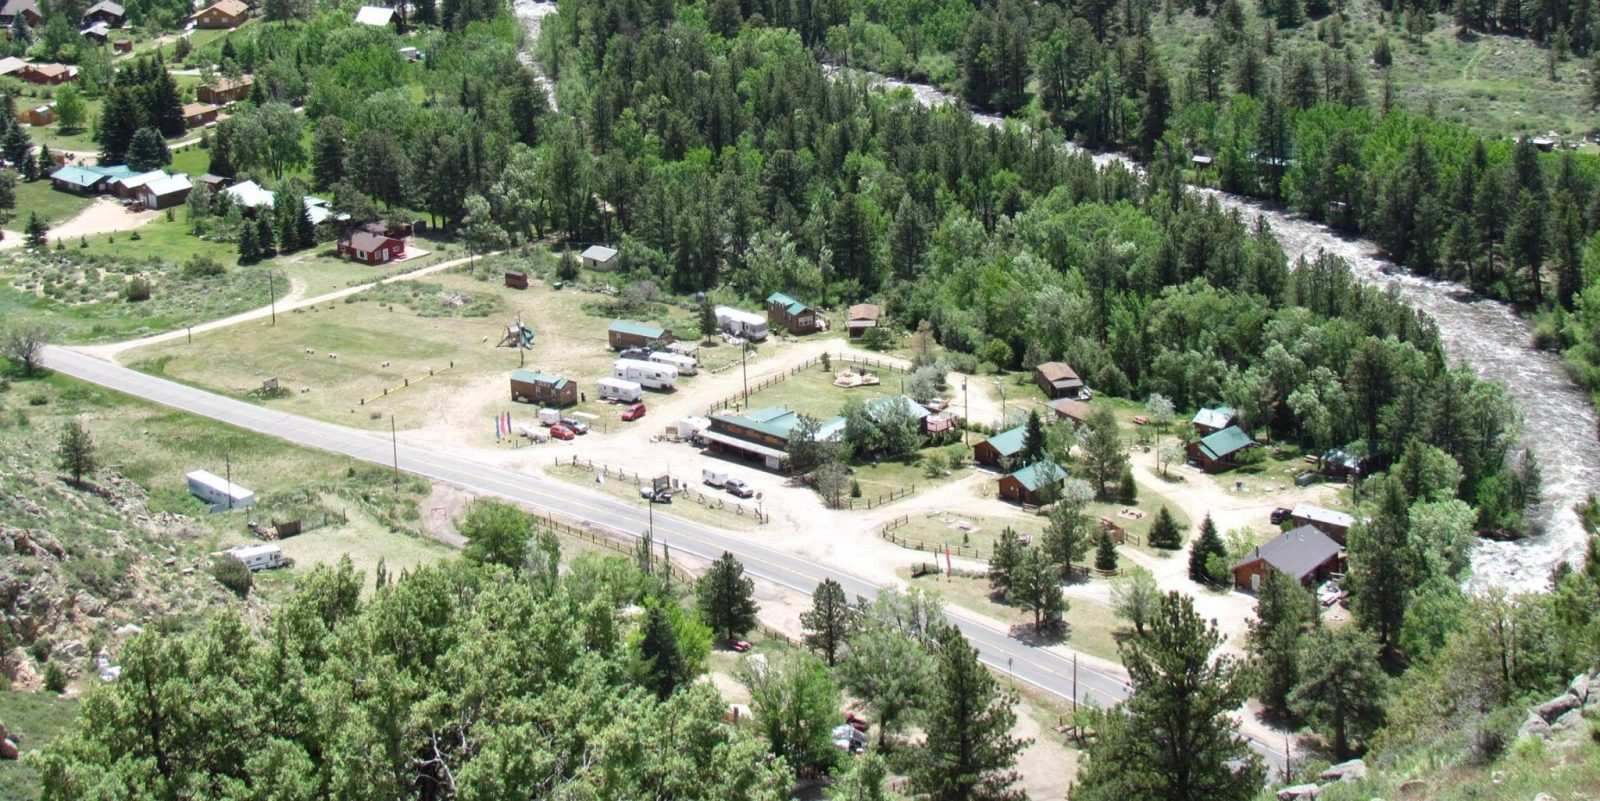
103	216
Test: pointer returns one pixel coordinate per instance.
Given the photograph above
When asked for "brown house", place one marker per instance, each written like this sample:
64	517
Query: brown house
27	9
1219	452
794	316
225	91
371	245
106	12
1333	523
198	114
1067	409
47	74
862	316
516	280
1032	484
121	46
1058	380
222	14
1303	554
998	450
528	386
629	334
38	115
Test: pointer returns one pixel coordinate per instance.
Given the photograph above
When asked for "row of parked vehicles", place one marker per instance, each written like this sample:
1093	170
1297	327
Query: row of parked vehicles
721	480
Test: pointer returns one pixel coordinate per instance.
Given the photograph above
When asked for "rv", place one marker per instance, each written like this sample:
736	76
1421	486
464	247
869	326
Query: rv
685	365
616	389
741	323
258	557
649	375
219	492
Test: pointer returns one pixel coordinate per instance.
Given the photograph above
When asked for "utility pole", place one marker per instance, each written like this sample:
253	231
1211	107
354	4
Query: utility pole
744	350
272	297
1074	679
1000	385
966	413
394	444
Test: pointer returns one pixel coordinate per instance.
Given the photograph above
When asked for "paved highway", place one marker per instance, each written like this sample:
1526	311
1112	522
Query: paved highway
1050	670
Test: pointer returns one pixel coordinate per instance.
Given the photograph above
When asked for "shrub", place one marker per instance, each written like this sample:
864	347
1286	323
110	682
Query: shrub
55	678
201	266
855	488
137	290
231	573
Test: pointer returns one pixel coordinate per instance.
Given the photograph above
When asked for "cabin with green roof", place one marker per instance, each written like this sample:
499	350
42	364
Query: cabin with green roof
762	435
794	316
1032	484
1005	445
624	334
1216	453
529	386
80	180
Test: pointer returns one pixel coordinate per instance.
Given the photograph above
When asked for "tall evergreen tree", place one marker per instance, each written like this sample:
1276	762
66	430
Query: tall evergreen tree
1007	554
328	153
1205	546
1105	555
1164	531
727	598
1381	569
969	754
1033	439
1342	687
1284	611
830	623
249	244
17	149
76	453
1035	585
148	151
1174	737
663	666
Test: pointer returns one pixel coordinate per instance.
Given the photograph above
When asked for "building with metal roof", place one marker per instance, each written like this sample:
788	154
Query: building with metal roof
1304	554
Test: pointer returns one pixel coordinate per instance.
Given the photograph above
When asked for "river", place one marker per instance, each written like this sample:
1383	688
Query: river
1486	335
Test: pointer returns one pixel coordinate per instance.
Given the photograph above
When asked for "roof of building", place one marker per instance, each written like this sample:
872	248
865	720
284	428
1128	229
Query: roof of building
877	404
249	194
1038	474
1226	442
741	315
646	330
374	15
140	179
362	239
44	109
1345	459
1220	417
98	29
790	304
865	312
78	176
599	253
196	109
1009	443
232	8
11	64
106	6
779	422
224	83
52	69
208	178
213	481
1297	552
168	184
1059	373
532	377
15	7
1317	514
1070	409
743	444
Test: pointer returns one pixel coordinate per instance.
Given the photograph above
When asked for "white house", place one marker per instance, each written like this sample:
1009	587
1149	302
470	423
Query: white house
741	323
600	257
647	374
219	492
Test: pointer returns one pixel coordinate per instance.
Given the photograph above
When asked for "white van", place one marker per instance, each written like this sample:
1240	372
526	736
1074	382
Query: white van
616	389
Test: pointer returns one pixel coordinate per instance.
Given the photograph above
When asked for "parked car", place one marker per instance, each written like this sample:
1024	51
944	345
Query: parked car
649	494
561	432
578	426
633	412
856	722
738	488
935	404
739	645
642	354
1279	515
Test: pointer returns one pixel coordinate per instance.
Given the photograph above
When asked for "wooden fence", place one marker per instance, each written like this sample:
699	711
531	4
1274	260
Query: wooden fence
880	500
406	382
679	488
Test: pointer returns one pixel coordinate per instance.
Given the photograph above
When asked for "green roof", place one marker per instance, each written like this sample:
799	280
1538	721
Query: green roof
1009	443
533	377
1038	474
645	330
790	304
779	422
917	410
1226	442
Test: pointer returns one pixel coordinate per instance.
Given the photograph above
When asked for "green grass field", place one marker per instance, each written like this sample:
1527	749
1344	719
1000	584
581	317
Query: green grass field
366	542
1092	627
50	205
36	718
812	392
711	507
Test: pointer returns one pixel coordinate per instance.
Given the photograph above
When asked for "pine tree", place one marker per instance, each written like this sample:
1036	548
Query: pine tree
46	161
328	153
1103	452
148	151
37	233
727	598
1284	611
119	120
1342	689
249	245
969	754
8	191
222	153
1157	106
1007	553
17	149
830	623
75	453
1127	488
1174	738
1164	531
1382	572
708	318
264	240
1033	439
663	666
1205	546
1036	586
1105	556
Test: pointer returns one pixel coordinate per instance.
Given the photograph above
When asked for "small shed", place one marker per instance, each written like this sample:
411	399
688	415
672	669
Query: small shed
862	316
98	32
1218	452
1544	143
1336	463
516	280
600	257
38	115
1058	380
215	183
1333	523
1005	445
794	316
1305	554
122	46
219	492
623	334
1031	484
1200	162
528	386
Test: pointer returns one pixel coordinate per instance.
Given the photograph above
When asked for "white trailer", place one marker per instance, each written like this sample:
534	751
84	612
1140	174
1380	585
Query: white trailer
685	365
690	427
741	323
616	389
646	374
219	492
549	417
715	478
264	556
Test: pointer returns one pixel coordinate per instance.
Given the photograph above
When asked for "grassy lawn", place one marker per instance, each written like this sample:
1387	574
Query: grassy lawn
37	718
891	476
51	206
711	508
162	239
366	542
1091	628
812	392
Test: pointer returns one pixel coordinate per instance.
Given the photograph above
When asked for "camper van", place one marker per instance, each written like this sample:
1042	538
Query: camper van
741	323
649	375
715	478
616	389
258	557
685	365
